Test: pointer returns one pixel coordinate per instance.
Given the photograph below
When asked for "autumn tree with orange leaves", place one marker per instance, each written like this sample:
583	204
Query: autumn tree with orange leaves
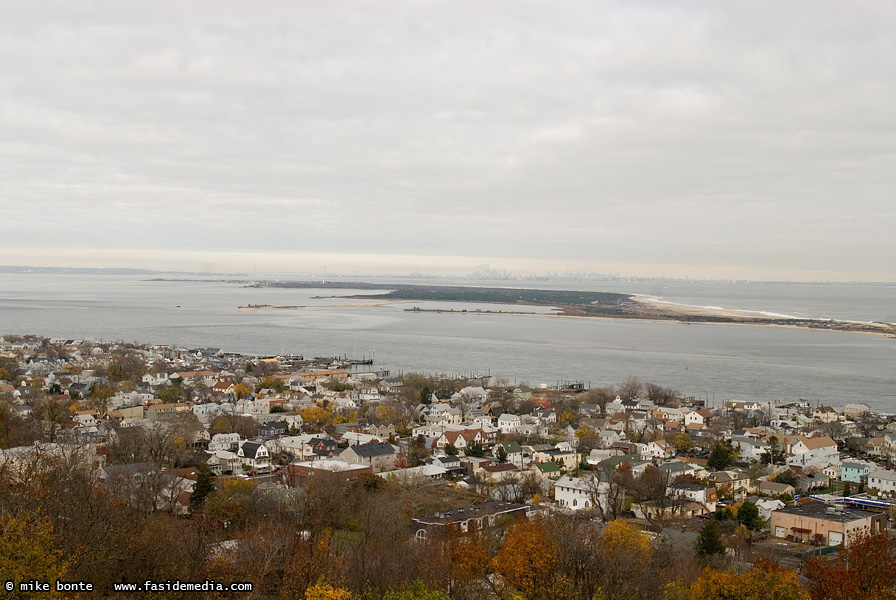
467	557
528	560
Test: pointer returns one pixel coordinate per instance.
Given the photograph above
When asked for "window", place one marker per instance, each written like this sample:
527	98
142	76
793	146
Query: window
421	534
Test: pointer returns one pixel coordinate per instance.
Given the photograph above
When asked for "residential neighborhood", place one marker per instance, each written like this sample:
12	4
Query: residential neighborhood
153	424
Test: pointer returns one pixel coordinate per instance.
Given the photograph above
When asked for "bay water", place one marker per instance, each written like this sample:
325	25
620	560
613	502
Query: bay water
710	361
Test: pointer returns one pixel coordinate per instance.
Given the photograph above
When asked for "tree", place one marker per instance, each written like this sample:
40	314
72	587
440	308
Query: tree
847	489
172	394
501	455
865	568
651	491
748	516
787	476
324	591
417	591
624	552
467	558
709	542
631	389
585	431
475	449
241	390
27	552
528	559
683	442
273	383
721	456
765	581
450	449
775	454
203	487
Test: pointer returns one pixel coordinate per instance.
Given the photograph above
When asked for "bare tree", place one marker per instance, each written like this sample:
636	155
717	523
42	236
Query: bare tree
631	389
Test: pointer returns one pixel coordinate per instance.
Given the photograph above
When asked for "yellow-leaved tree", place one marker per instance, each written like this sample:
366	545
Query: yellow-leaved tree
27	552
625	554
528	560
765	581
324	591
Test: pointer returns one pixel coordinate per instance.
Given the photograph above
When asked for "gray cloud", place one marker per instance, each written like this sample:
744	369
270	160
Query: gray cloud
717	139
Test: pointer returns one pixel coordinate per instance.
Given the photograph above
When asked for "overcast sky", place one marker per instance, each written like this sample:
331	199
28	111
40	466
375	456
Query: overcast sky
739	140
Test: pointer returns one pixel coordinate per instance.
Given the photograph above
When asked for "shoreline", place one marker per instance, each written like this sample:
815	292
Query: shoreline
645	310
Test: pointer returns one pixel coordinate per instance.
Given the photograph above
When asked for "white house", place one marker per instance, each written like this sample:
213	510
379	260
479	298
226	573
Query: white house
578	493
660	449
508	422
820	449
254	455
883	482
223	441
697	417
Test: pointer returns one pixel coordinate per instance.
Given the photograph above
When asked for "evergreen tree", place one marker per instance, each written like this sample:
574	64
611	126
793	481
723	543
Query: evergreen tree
203	487
475	449
748	516
722	456
501	455
710	540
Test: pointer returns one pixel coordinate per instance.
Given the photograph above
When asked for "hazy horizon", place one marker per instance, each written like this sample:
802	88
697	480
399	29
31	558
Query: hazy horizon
701	140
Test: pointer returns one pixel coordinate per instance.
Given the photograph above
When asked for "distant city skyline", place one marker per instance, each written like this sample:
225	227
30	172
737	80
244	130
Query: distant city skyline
689	139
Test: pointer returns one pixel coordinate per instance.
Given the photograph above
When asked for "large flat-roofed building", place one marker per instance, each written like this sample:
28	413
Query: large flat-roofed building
480	516
828	524
307	470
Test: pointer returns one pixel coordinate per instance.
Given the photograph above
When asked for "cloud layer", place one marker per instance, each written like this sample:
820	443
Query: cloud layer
731	140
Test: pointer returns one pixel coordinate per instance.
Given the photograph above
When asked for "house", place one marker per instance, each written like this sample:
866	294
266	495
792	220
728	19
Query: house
660	449
735	483
825	414
508	422
568	459
578	493
273	429
741	405
383	432
678	468
496	473
706	497
766	506
882	482
166	411
748	448
515	454
697	417
460	439
854	411
854	471
828	524
224	461
822	448
254	455
380	456
774	489
548	472
415	475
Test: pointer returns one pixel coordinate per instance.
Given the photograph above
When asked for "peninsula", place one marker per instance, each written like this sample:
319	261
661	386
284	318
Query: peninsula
567	303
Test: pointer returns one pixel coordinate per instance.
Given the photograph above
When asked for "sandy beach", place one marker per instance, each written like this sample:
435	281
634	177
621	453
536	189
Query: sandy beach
645	309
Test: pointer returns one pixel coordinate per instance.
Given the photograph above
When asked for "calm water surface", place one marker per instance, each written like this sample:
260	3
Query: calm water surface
717	362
